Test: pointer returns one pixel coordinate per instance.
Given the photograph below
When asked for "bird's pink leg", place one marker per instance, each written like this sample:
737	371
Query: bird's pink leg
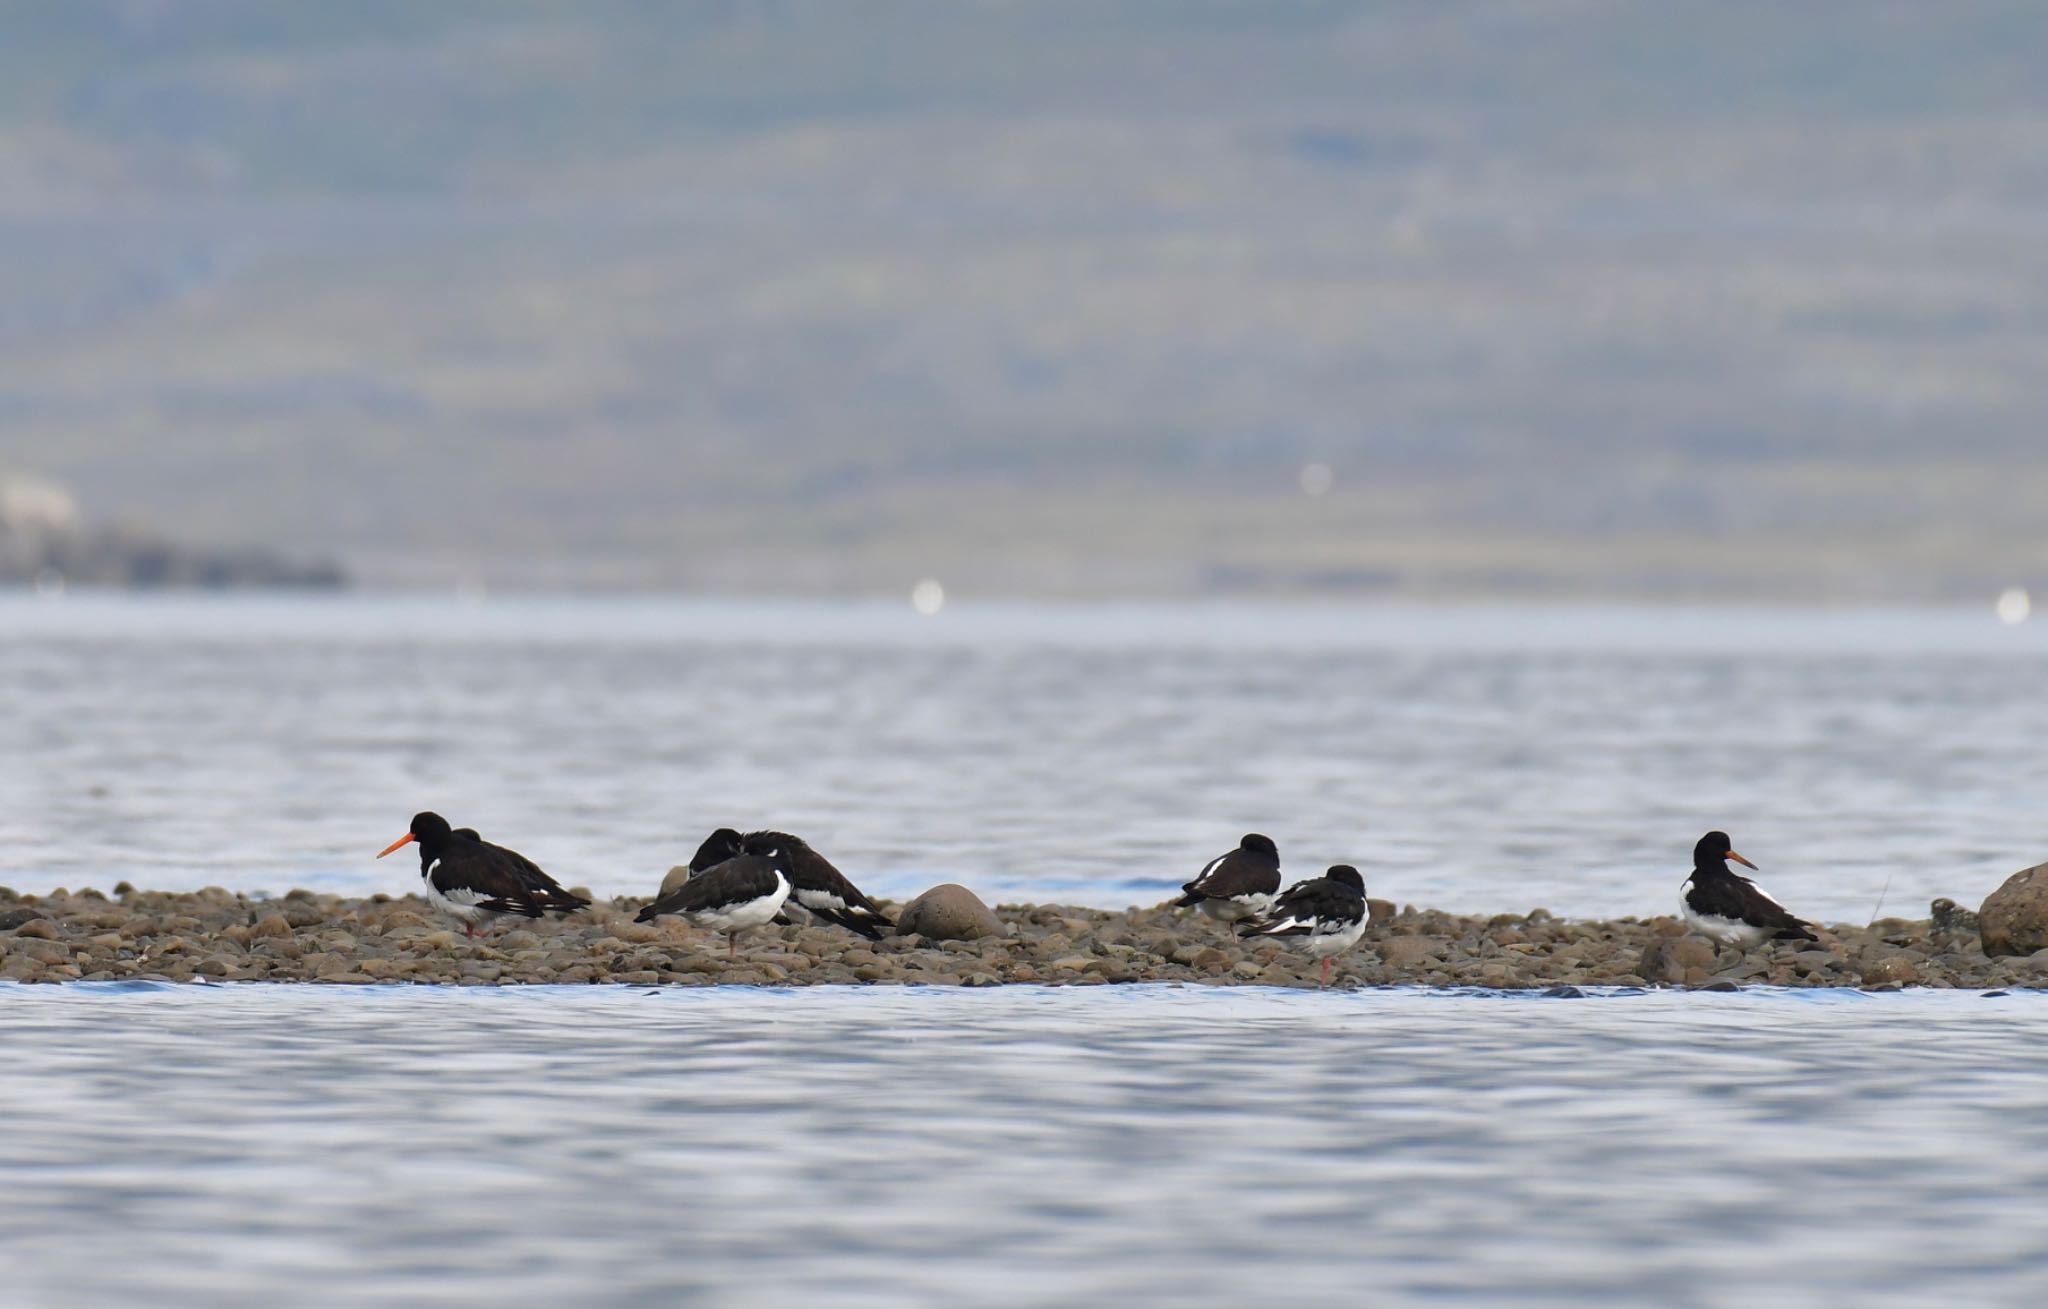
1326	972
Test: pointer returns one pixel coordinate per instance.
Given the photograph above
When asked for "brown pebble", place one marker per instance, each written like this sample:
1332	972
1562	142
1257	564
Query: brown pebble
392	921
218	935
1897	969
1404	952
1668	959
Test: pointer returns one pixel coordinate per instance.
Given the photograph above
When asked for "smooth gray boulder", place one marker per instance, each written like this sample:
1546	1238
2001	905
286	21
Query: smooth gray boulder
949	913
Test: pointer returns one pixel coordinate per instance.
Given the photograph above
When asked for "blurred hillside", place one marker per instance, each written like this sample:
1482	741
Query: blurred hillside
1574	297
48	542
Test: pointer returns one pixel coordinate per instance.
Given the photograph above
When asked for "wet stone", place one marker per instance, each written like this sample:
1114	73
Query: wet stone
1409	951
222	937
948	912
1892	970
1670	959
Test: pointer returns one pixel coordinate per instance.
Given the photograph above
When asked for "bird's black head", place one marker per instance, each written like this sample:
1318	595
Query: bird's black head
1348	875
718	847
428	828
1262	844
1714	850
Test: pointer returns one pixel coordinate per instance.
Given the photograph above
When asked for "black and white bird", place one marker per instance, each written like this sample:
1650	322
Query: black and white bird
476	882
1728	908
742	892
1238	885
820	889
1324	915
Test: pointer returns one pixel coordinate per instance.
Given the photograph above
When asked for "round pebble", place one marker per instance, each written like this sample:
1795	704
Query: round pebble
308	937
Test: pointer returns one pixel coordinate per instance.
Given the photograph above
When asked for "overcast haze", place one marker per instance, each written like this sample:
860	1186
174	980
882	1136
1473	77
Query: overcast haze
1730	300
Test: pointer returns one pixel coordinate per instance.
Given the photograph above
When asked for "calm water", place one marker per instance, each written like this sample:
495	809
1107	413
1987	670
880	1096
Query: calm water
277	1145
1476	759
273	1145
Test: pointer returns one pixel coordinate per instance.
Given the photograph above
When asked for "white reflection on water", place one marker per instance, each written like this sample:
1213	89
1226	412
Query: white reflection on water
266	1145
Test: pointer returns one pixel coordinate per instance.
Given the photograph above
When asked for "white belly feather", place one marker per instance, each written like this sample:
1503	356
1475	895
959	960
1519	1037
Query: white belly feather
738	917
1723	931
458	902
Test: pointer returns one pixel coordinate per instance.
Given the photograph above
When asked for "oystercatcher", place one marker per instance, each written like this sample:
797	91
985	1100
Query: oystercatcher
472	880
1728	908
1238	885
1325	914
740	893
819	888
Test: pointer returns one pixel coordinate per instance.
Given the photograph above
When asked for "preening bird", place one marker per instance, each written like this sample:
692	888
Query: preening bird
1323	916
1237	885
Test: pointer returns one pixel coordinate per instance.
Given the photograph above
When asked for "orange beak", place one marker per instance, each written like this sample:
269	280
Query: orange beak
1731	854
407	840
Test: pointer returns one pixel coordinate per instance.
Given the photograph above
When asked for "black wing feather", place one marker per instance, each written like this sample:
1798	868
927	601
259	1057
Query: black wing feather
1320	900
1725	893
511	883
812	872
748	877
1241	872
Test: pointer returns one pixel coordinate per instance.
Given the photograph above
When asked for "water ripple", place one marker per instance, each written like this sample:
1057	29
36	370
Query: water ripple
1474	759
251	1145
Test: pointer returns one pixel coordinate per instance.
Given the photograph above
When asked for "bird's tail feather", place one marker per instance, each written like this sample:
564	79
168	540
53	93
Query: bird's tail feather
1275	928
524	908
867	922
870	925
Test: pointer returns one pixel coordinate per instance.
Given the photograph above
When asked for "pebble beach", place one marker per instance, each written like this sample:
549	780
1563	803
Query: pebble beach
218	935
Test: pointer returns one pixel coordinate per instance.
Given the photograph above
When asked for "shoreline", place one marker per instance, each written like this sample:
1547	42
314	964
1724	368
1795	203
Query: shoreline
308	937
